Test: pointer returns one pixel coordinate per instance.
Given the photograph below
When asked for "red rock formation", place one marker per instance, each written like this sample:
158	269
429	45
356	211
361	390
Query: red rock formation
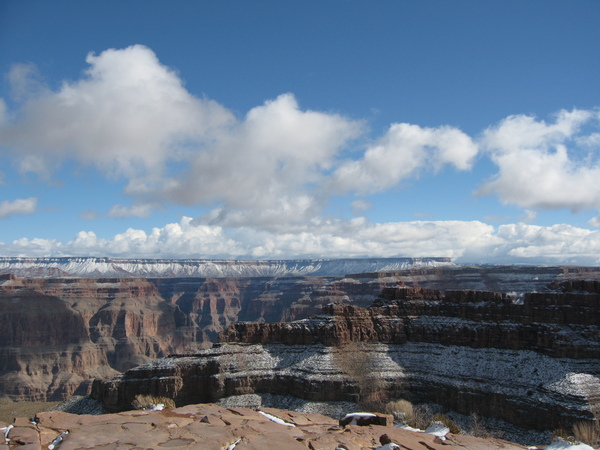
211	427
74	329
471	351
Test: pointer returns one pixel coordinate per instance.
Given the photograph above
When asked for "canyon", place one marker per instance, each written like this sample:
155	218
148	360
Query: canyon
533	364
445	341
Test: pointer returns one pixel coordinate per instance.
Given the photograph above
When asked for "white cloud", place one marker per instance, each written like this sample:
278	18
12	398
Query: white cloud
137	210
360	206
540	165
89	215
466	242
24	206
265	169
128	114
594	222
403	152
564	244
267	176
25	81
131	117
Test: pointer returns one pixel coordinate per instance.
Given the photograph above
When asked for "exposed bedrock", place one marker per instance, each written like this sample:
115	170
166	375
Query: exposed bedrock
469	351
58	334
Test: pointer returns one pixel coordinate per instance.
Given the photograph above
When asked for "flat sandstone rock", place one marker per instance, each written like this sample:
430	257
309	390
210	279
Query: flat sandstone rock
208	427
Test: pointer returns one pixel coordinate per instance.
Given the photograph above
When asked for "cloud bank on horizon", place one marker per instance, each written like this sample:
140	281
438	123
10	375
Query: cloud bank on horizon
267	178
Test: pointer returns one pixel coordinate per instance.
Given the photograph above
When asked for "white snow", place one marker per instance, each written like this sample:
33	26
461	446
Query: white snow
5	431
232	446
120	267
157	407
390	446
56	442
357	416
566	445
438	429
276	419
409	428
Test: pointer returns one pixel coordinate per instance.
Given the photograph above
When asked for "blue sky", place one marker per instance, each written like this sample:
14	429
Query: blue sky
269	129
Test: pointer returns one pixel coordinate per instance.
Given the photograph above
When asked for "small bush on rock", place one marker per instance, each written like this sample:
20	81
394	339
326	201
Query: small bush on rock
478	428
454	429
402	410
587	432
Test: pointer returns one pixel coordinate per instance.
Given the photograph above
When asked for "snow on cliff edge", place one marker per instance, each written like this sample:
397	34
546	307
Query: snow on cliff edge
204	268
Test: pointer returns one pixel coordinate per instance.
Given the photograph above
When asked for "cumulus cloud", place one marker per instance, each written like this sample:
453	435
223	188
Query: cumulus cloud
464	241
128	114
24	206
560	243
544	165
265	177
402	152
265	169
131	117
25	81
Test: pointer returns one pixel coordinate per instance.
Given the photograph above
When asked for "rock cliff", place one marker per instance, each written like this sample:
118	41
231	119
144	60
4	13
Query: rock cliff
532	363
58	334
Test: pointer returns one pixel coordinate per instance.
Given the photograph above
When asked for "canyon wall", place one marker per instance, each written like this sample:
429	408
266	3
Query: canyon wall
58	334
533	364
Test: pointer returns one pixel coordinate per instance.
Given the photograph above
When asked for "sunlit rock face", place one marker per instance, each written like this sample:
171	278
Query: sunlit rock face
533	364
58	334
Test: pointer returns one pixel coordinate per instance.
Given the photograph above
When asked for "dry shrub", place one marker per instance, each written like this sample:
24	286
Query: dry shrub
587	432
478	428
560	433
414	416
454	429
148	401
421	417
357	361
402	410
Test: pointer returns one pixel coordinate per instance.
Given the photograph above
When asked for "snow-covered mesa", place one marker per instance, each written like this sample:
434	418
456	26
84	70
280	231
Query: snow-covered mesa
107	267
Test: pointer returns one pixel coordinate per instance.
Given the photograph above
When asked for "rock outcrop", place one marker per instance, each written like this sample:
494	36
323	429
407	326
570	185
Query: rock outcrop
211	427
60	333
534	364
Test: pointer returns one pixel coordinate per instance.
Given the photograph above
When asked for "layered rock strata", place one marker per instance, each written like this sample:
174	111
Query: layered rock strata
533	364
58	334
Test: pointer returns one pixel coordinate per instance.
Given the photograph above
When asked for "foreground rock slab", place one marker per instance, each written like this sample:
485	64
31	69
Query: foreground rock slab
208	426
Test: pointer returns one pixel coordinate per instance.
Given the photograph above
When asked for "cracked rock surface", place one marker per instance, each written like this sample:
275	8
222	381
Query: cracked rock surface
208	426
